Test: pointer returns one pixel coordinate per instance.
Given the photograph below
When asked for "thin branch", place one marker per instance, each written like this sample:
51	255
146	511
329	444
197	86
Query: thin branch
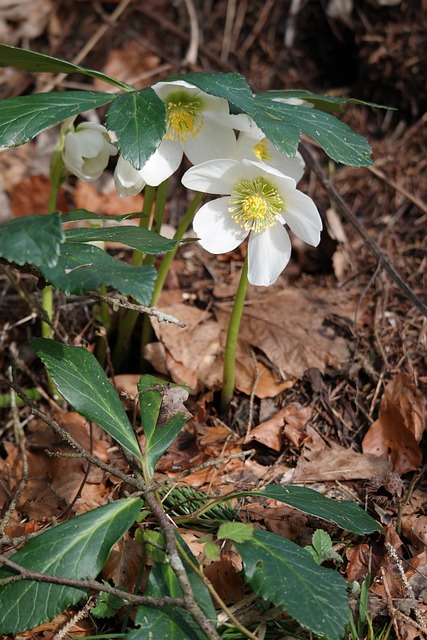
370	243
193	47
26	574
122	301
178	568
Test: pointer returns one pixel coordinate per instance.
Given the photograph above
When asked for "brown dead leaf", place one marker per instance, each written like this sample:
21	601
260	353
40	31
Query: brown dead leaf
86	196
322	459
400	425
23	19
133	64
32	195
225	580
124	563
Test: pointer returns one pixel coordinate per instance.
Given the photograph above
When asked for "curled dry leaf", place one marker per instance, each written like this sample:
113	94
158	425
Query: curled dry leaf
400	425
223	576
288	422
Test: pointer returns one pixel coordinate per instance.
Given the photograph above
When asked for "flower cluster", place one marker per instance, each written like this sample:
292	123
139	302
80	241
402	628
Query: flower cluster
257	182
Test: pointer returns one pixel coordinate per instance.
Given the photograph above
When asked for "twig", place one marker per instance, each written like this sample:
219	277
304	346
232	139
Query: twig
178	568
407	194
122	301
133	482
228	30
20	440
370	243
252	396
26	574
193	47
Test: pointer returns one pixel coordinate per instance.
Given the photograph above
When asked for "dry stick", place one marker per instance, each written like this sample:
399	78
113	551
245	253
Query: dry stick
193	47
26	574
404	192
371	244
20	439
178	568
122	301
228	30
133	482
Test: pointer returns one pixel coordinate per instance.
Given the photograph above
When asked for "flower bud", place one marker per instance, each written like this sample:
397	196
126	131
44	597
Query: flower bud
87	151
127	179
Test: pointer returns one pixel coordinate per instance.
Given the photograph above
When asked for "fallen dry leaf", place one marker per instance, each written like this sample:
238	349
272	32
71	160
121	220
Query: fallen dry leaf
400	425
322	459
124	563
86	196
225	580
31	196
133	64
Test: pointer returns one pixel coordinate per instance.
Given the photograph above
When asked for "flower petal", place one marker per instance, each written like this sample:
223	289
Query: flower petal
128	180
163	163
268	255
213	225
302	216
213	141
218	176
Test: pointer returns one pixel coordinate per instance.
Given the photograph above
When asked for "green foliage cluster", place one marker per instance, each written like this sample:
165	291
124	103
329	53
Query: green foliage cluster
280	572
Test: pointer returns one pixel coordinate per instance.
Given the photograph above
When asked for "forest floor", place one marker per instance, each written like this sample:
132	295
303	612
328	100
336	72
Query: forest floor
331	365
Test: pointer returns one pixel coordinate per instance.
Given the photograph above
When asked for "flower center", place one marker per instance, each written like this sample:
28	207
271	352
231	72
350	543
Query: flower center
261	150
184	114
254	204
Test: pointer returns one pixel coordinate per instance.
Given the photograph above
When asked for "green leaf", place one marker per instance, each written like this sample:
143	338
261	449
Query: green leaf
76	549
82	381
158	437
138	238
138	119
236	531
82	214
84	267
231	86
22	118
32	240
330	104
286	575
321	547
39	62
283	124
344	513
107	605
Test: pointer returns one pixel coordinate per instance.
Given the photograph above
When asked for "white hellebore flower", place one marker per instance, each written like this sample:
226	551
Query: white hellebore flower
253	145
87	151
260	201
198	125
127	180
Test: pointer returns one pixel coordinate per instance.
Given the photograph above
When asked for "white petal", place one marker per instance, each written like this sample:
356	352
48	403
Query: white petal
268	255
292	167
214	176
213	141
302	216
217	232
163	163
128	180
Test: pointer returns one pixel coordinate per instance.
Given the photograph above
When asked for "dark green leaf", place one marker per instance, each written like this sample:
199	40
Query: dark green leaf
326	103
138	119
32	240
83	214
138	238
82	381
286	575
345	514
83	267
283	124
39	62
22	118
158	437
231	86
75	549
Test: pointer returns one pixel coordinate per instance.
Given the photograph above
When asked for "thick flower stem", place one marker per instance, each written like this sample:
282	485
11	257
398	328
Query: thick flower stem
231	343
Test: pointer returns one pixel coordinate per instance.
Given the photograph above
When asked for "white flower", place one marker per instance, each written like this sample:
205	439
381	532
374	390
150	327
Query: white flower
128	180
260	200
87	151
253	145
198	125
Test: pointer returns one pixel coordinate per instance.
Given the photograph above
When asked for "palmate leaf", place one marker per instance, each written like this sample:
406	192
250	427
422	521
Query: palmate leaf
138	120
22	118
39	62
286	575
75	549
330	104
32	240
138	238
284	123
84	267
82	381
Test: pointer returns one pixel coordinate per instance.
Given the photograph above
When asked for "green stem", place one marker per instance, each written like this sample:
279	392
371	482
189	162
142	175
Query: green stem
231	343
164	267
149	195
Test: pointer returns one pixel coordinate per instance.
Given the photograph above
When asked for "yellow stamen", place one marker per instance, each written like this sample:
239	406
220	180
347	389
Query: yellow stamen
254	204
184	113
261	150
